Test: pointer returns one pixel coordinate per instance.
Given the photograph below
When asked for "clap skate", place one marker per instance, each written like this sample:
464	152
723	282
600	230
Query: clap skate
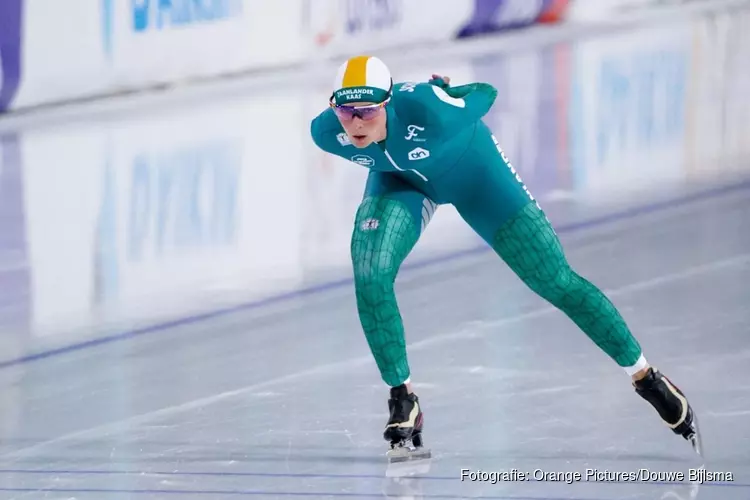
404	428
672	406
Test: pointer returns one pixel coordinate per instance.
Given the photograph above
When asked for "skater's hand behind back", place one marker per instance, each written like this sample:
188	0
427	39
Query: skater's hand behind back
440	81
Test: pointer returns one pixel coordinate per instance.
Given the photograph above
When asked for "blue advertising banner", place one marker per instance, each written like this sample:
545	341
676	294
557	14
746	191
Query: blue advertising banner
10	51
491	16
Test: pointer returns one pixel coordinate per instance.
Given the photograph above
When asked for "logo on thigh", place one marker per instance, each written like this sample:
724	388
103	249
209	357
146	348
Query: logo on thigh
370	224
513	170
428	210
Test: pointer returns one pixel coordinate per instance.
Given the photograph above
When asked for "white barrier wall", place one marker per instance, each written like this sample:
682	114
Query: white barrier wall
718	123
181	207
594	10
108	46
338	27
628	105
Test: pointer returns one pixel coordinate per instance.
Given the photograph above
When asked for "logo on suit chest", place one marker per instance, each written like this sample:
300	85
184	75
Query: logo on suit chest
363	160
413	133
418	154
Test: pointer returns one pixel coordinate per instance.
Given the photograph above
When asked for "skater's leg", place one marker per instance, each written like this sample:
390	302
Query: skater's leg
502	211
505	214
530	247
388	224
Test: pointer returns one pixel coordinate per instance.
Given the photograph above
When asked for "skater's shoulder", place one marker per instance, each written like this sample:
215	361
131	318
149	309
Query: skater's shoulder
415	101
325	128
413	94
325	122
409	88
440	103
448	109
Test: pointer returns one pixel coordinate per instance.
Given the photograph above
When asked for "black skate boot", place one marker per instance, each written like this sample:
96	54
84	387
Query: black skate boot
672	406
404	428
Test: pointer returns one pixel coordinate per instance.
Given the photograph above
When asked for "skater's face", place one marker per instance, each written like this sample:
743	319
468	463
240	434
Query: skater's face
364	122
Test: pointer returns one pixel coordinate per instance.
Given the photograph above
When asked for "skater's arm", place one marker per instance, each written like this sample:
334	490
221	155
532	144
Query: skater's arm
323	130
444	82
451	108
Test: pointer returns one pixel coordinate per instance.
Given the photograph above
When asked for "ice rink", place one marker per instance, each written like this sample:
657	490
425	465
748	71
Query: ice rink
178	318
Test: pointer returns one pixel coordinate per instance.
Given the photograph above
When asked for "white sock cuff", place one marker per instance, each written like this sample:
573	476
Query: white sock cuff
407	381
638	366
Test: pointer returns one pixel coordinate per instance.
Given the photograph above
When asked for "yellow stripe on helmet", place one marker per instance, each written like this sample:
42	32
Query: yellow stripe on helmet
356	72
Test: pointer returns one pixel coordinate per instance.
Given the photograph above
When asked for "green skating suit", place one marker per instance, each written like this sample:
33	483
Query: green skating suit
439	151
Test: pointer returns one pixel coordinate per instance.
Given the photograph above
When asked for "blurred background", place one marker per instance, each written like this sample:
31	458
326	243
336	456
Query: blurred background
156	158
156	167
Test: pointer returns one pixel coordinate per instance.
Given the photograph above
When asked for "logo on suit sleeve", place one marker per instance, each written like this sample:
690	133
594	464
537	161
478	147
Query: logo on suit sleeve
344	139
418	154
408	87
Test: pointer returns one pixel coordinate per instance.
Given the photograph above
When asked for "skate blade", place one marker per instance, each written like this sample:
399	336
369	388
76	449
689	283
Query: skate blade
407	468
695	439
697	444
397	455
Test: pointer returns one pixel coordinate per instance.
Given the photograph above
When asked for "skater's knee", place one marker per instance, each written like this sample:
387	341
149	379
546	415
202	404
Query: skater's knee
377	270
384	234
554	284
